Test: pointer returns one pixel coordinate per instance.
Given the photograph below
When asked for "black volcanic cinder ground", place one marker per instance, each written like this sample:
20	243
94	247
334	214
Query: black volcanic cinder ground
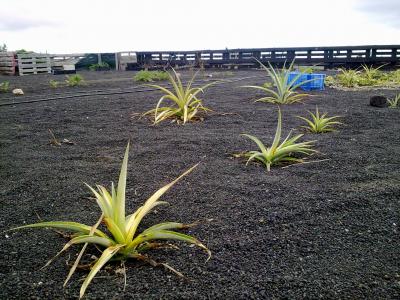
321	230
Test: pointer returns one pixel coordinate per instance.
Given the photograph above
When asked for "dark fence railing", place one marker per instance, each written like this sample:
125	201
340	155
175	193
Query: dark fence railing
324	56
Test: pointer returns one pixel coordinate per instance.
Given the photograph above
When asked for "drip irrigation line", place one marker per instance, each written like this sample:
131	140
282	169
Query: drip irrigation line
119	91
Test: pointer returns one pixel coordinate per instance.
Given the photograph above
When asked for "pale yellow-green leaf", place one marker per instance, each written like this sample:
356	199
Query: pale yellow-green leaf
149	204
104	258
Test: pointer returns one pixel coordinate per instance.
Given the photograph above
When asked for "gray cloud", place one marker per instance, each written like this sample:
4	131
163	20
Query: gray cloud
383	11
17	23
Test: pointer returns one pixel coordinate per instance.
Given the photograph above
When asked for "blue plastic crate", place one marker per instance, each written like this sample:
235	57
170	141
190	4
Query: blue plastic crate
316	83
292	75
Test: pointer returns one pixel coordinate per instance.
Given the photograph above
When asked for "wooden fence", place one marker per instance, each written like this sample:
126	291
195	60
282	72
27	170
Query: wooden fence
124	59
34	63
326	56
7	63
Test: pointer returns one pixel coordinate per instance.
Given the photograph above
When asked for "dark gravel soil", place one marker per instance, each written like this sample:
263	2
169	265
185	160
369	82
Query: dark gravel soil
327	229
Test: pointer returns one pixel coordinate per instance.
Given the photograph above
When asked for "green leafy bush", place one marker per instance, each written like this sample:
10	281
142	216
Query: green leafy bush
395	77
23	51
150	76
368	76
122	241
348	78
74	80
371	75
103	66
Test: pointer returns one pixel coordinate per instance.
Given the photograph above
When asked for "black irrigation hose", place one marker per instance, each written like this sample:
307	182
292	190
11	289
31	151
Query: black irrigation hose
100	92
107	92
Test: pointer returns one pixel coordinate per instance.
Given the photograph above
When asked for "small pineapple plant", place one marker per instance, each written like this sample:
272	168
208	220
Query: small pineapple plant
122	240
279	151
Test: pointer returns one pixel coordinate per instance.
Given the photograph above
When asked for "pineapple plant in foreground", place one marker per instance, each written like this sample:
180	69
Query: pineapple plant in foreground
122	241
279	152
185	105
320	123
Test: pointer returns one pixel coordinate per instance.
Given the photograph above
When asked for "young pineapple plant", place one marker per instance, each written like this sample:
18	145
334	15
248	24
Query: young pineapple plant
122	240
184	105
395	102
394	77
320	123
4	86
348	78
74	80
280	151
54	83
284	91
370	75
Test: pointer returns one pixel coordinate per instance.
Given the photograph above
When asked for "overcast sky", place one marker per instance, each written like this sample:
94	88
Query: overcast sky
59	26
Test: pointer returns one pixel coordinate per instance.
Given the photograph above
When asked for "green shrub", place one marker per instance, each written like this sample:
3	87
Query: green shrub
150	76
394	76
348	78
74	80
368	76
100	66
23	51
